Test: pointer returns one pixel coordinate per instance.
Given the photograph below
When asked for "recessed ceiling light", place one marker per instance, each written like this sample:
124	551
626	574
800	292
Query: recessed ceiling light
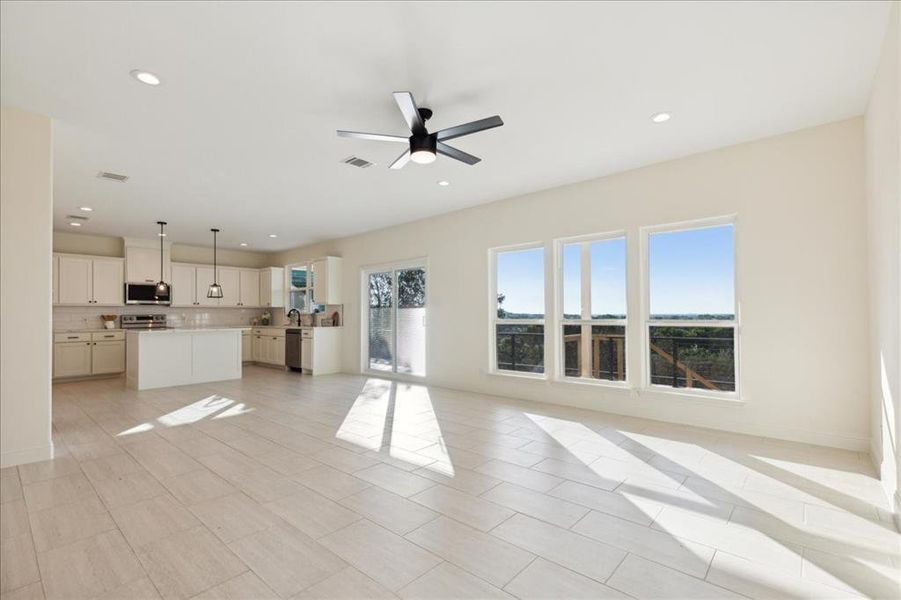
444	183
145	77
272	235
661	117
75	224
243	243
85	208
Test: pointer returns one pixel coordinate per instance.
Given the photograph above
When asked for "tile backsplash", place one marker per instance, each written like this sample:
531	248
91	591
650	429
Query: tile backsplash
88	317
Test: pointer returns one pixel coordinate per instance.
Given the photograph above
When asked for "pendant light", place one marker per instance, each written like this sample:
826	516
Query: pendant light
162	288
215	290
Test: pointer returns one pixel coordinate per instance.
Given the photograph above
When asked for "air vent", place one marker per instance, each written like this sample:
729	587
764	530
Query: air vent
112	176
76	217
356	161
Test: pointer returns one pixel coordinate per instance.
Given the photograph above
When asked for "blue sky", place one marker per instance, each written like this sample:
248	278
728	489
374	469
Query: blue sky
690	271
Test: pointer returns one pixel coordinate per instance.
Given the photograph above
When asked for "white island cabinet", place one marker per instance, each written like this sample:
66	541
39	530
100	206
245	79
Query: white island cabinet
165	358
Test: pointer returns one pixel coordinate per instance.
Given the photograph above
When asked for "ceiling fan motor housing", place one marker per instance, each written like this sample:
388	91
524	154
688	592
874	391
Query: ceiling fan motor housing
424	143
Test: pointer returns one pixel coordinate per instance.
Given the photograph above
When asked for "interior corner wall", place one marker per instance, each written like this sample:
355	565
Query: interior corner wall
800	251
882	150
26	207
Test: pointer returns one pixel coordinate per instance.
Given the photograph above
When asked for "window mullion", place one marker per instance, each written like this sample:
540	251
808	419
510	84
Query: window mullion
586	341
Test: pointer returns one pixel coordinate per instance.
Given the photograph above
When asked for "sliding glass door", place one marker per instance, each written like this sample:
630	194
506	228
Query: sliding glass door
395	319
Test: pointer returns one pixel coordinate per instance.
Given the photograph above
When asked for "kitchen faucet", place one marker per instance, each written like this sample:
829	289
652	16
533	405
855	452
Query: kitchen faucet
294	316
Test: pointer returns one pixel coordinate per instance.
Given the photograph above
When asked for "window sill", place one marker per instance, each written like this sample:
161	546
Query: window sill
712	397
600	383
519	375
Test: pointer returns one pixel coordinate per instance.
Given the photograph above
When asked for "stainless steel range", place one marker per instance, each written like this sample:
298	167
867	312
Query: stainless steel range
143	321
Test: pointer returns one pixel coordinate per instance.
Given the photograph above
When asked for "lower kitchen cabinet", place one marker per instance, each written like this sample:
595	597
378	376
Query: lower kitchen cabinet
320	350
88	353
71	359
246	346
268	346
107	357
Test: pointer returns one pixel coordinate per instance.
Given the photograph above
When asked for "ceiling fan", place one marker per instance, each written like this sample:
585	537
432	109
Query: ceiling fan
423	146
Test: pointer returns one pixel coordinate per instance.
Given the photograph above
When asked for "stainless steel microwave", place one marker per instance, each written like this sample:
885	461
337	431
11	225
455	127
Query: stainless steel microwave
145	293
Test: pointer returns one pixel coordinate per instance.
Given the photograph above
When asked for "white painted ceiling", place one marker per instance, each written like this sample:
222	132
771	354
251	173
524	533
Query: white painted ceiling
241	134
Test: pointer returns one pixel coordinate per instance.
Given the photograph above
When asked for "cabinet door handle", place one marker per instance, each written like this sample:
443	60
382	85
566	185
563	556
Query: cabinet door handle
71	337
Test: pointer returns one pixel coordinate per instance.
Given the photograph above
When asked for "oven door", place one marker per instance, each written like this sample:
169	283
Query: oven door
145	293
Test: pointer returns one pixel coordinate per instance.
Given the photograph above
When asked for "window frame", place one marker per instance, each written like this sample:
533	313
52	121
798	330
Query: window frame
393	267
585	301
493	319
646	321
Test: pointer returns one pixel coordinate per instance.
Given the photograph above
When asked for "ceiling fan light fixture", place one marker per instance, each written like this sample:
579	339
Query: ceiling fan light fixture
423	157
423	149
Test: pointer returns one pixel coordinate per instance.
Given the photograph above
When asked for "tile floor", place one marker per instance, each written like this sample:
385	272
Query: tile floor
280	486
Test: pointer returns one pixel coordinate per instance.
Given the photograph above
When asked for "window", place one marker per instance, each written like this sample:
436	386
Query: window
691	308
395	319
299	284
518	321
593	324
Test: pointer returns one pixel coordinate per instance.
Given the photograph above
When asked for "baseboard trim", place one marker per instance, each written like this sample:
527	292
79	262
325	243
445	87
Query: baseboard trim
28	455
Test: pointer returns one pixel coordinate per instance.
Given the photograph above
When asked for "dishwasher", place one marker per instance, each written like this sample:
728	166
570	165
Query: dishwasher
293	348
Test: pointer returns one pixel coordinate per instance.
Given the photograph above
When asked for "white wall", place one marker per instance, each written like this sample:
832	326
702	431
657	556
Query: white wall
26	206
883	189
102	245
801	256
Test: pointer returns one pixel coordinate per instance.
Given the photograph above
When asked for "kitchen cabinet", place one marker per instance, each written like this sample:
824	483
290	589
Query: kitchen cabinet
246	346
107	281
142	264
80	354
249	287
326	280
184	285
107	357
268	346
204	276
89	281
74	280
55	282
190	284
72	359
230	280
272	286
320	352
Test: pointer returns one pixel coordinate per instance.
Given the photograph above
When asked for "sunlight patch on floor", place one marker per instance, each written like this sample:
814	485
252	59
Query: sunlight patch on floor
195	412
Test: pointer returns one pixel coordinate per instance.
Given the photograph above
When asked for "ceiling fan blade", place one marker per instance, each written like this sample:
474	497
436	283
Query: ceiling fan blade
452	152
376	137
467	128
401	160
408	107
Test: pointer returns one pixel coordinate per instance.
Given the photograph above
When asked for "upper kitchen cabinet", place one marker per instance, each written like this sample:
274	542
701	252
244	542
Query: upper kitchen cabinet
75	280
107	281
142	261
327	280
272	286
88	281
183	285
249	288
190	283
230	280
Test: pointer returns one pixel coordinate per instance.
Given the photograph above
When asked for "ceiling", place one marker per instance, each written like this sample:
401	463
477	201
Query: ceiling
241	134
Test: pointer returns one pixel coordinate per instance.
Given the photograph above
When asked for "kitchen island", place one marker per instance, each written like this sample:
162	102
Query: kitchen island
169	357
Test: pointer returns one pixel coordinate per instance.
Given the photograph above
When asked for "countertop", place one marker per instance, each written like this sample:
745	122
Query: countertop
177	330
210	328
